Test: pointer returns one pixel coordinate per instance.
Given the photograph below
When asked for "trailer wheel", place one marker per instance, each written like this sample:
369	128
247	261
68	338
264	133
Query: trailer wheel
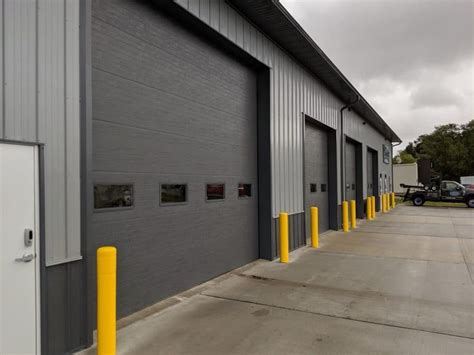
418	200
470	202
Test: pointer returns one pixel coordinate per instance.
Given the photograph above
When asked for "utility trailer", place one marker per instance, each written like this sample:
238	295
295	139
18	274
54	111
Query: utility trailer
439	190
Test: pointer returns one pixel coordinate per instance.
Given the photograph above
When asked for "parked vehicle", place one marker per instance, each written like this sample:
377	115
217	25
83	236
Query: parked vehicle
445	191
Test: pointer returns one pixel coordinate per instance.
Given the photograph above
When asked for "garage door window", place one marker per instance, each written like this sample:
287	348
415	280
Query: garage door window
313	188
172	194
107	196
215	192
245	190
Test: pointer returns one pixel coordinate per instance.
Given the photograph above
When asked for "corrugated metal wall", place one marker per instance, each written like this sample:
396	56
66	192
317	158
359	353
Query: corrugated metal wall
39	102
294	90
355	128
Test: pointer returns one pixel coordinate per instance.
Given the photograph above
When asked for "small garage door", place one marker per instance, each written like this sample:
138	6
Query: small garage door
174	123
316	175
370	173
351	171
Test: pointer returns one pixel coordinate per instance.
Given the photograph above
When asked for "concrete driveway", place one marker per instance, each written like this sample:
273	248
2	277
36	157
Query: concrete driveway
401	284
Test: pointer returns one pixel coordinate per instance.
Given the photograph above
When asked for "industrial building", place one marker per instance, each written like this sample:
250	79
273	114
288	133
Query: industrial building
176	131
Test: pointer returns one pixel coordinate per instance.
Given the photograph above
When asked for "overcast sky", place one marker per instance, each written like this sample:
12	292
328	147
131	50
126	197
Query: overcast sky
413	60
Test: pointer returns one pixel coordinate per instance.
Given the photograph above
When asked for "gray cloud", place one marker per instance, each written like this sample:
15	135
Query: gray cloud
412	60
434	96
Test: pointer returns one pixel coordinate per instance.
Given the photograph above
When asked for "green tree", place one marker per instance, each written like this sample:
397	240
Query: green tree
404	157
468	142
411	150
448	148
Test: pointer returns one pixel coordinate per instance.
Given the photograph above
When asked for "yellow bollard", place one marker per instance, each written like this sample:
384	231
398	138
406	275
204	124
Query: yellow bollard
353	214
374	213
283	237
384	203
388	202
314	227
345	216
106	300
368	208
393	200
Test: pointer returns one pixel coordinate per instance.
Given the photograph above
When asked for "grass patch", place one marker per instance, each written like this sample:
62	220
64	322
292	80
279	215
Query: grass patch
399	201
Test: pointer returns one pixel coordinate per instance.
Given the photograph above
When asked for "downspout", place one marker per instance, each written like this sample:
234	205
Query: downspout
343	148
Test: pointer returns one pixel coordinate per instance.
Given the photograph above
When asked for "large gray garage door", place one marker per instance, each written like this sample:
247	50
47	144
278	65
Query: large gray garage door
351	172
370	173
316	175
176	118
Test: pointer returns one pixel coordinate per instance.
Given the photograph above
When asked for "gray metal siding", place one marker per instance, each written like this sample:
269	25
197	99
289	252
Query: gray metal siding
293	91
39	102
170	108
369	137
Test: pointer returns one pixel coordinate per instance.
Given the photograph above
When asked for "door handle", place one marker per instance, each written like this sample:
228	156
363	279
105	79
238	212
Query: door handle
26	258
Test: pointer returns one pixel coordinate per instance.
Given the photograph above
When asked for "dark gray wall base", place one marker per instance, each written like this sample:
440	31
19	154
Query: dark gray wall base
339	217
63	317
296	226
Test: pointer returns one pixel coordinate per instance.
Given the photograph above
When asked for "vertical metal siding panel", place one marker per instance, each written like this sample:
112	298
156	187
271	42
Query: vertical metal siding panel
297	114
260	47
317	113
204	10
231	18
245	36
286	136
2	69
193	7
239	31
281	137
306	90
280	129
20	73
294	125
223	18
184	3
214	14
291	132
297	119
51	115
300	141
253	41
72	130
273	128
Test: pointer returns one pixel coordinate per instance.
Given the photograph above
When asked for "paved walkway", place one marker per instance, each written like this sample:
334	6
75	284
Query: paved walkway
401	284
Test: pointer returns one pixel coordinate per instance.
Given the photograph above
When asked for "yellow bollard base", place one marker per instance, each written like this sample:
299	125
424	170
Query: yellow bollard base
284	241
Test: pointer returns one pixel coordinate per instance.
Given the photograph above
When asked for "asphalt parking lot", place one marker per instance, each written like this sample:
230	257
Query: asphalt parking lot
401	284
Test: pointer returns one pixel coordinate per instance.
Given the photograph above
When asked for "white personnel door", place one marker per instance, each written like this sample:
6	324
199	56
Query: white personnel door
19	247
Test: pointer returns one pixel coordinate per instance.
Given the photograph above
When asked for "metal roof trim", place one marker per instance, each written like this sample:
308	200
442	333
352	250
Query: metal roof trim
330	74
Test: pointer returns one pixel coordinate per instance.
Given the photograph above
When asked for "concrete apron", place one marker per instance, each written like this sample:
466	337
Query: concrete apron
366	291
